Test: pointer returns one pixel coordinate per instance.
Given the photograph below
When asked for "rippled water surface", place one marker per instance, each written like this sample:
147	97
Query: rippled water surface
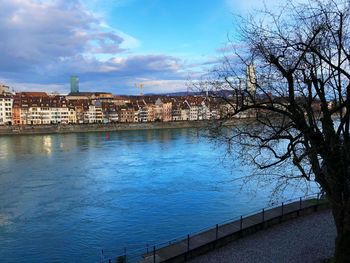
64	198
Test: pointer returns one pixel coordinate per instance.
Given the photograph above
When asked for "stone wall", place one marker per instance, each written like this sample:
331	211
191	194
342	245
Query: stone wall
73	128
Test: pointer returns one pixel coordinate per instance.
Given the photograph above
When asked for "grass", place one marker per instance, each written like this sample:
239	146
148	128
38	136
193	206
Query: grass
316	201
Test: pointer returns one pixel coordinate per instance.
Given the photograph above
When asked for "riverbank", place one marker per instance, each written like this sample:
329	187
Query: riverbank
224	234
305	239
78	128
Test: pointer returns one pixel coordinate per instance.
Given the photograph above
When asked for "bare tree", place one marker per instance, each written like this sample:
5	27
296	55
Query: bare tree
299	94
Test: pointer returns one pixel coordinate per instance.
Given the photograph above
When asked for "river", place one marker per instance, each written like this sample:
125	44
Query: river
64	198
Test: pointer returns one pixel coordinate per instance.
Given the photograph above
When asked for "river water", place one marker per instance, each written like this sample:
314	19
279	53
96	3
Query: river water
64	198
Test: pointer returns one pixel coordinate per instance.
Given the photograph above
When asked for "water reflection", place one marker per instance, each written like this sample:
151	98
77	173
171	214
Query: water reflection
47	145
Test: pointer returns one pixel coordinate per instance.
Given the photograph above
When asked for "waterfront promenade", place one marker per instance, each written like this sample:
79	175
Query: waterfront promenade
206	241
307	239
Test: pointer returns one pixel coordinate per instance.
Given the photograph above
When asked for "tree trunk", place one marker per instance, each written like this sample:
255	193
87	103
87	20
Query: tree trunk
342	243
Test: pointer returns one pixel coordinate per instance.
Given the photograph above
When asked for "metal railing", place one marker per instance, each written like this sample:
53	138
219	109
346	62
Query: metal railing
138	254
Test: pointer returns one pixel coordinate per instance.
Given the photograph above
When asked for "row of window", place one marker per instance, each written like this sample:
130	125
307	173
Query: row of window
5	109
43	117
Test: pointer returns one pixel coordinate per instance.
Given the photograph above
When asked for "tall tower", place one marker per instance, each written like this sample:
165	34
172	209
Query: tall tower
251	80
74	84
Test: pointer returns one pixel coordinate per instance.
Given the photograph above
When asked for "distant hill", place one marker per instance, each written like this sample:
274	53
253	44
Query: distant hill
221	93
175	94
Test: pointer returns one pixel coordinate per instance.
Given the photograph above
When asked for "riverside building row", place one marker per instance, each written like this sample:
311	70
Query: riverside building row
39	108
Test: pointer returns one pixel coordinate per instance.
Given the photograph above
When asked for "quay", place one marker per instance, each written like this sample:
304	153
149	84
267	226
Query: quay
108	127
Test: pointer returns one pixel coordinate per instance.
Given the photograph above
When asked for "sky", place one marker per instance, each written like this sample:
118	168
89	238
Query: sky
111	45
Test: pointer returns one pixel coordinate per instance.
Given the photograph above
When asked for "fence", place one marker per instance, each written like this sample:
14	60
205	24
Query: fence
204	240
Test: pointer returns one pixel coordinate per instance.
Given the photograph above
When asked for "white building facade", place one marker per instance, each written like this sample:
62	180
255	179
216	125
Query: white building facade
6	109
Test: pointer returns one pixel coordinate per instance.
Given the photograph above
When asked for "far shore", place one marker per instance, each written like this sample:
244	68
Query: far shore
13	130
79	128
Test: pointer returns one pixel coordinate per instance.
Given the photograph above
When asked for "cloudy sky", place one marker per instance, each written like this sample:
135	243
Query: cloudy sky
113	44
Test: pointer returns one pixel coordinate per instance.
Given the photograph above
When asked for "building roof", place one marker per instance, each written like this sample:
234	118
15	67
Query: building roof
89	94
33	94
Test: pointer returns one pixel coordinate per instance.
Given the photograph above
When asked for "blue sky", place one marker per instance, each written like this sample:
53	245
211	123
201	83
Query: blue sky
112	44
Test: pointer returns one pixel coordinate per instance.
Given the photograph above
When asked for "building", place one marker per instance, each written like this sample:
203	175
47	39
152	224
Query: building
204	111
72	115
95	113
167	109
16	111
74	84
142	111
93	96
31	108
121	100
158	110
194	112
176	112
98	111
150	112
251	80
127	113
193	109
4	90
6	102
39	108
59	110
136	113
185	111
110	112
80	107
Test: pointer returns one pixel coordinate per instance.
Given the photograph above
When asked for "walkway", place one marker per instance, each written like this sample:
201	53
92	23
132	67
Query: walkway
305	239
206	241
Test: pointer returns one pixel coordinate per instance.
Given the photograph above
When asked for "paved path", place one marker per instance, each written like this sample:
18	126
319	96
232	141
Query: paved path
305	239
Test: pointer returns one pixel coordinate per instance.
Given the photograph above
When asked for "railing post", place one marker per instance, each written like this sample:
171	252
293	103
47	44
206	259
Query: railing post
125	254
188	248
188	243
154	254
300	203
109	261
241	224
317	201
263	215
216	232
282	208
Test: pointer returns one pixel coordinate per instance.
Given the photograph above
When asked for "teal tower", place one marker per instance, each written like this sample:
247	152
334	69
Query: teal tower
74	84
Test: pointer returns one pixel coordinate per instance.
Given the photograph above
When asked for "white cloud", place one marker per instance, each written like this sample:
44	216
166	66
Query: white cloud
129	41
163	86
22	86
44	42
44	33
